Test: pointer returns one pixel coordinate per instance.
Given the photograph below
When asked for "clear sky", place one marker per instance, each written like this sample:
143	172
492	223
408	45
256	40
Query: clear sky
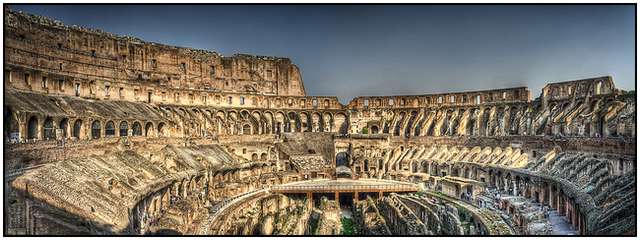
350	51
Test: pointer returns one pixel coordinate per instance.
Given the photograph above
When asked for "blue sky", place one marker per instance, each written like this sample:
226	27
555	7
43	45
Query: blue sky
356	50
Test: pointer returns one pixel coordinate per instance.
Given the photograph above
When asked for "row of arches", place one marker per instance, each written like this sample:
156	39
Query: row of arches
209	122
489	121
52	128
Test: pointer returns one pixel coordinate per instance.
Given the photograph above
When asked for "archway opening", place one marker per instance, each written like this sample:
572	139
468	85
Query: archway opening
109	129
63	125
375	129
148	129
137	129
124	129
49	129
32	128
95	129
77	127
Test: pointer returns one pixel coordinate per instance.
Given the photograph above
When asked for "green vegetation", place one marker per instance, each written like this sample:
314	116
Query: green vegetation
348	226
440	194
365	130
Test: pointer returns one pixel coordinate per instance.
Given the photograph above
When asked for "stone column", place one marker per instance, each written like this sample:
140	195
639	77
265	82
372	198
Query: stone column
506	185
551	198
578	222
559	203
292	125
356	198
542	195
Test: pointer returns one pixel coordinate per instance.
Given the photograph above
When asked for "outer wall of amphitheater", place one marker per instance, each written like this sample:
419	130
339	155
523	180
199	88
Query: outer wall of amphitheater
106	134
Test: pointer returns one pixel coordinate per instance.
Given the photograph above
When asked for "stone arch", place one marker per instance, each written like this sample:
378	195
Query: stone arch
398	123
77	128
269	122
148	129
471	123
32	128
109	129
96	128
328	122
49	130
427	128
374	129
10	123
342	121
342	159
136	129
246	129
417	129
408	126
254	122
162	131
263	157
305	122
124	129
365	165
316	122
485	124
280	119
259	122
64	124
295	124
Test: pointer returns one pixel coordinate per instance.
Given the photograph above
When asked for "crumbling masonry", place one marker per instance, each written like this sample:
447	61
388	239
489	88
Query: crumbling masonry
106	134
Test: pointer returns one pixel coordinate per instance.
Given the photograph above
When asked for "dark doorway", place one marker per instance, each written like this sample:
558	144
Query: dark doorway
32	128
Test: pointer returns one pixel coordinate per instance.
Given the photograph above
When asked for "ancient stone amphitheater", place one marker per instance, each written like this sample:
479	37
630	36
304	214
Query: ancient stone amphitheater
113	135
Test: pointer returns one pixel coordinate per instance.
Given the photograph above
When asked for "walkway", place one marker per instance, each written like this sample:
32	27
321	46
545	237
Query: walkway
346	185
215	210
560	225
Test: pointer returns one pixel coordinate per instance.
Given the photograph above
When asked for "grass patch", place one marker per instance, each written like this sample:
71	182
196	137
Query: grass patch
348	226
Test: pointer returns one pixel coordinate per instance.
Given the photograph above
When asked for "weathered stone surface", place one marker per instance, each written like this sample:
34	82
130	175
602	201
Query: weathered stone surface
108	134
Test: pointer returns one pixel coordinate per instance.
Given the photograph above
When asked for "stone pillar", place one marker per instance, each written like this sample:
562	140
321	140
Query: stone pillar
310	200
542	195
565	204
573	216
559	203
292	125
551	198
356	198
337	197
515	188
578	222
506	185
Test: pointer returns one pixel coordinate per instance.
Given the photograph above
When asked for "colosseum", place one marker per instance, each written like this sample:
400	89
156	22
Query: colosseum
113	135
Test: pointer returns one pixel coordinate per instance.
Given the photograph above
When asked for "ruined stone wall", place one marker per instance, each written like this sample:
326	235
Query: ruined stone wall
596	116
591	189
157	133
32	116
507	95
46	56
